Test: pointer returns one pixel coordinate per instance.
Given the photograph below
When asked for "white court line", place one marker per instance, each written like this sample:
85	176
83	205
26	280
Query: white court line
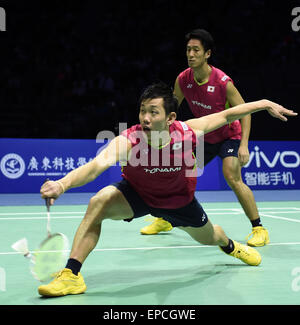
74	217
80	212
282	212
36	213
41	218
276	217
207	209
116	249
232	211
81	216
279	208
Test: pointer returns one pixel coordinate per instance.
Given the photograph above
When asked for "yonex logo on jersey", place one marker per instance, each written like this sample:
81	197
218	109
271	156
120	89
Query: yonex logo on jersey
230	150
210	89
189	86
224	78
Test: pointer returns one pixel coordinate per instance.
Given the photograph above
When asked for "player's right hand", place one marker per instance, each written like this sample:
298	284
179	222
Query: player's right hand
52	190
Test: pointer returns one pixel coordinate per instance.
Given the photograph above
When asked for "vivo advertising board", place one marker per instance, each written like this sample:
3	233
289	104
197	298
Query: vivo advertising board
26	163
273	165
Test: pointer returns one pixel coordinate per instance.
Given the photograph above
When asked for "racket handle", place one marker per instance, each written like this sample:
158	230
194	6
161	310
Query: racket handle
47	200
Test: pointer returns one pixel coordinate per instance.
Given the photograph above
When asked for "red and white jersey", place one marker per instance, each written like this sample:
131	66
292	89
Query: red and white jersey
165	177
208	98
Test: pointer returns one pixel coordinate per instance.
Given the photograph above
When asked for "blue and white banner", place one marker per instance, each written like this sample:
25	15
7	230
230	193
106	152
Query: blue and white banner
26	163
273	165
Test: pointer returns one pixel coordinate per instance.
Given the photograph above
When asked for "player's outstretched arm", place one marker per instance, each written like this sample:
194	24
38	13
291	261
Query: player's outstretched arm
214	121
117	150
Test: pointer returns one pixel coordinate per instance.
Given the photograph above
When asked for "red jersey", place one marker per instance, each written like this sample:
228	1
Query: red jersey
165	177
208	98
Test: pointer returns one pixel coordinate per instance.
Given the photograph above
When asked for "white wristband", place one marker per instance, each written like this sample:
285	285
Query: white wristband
61	185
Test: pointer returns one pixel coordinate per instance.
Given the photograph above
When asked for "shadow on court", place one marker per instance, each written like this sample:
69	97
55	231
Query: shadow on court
161	283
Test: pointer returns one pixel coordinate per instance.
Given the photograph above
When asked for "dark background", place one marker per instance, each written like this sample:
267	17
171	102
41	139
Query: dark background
70	69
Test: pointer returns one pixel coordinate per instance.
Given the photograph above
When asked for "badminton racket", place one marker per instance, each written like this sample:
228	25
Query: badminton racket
51	256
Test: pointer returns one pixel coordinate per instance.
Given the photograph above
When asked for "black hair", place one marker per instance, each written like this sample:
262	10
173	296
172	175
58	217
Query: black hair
204	37
161	90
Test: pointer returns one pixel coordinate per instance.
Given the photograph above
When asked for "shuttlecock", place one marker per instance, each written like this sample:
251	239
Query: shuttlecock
21	246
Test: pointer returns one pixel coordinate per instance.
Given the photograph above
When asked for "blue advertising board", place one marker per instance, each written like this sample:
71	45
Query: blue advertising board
26	163
273	165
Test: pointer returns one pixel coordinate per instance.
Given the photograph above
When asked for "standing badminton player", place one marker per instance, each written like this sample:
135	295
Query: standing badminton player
163	190
209	90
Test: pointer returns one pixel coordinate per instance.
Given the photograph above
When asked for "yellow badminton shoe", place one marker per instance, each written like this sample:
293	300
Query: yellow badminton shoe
157	226
260	237
246	254
65	283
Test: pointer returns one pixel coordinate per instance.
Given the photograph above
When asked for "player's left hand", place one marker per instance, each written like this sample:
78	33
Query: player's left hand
279	111
243	155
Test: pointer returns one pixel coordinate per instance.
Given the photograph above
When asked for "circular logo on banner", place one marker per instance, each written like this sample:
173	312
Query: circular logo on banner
12	166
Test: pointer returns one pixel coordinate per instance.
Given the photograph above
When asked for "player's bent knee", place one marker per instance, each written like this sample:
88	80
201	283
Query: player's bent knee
97	206
96	201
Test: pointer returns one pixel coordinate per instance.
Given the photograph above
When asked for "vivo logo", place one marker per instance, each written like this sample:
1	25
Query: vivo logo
288	159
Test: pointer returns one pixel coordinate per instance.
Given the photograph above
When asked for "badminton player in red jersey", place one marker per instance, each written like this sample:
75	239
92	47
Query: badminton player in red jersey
209	90
158	178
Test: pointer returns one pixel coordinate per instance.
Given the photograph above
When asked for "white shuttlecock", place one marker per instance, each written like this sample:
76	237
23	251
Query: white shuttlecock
21	246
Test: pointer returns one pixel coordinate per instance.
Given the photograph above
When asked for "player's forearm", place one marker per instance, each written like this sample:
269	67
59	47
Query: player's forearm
240	111
116	150
212	122
81	175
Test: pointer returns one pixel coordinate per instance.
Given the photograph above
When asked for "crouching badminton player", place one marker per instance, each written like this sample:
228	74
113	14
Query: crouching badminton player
163	190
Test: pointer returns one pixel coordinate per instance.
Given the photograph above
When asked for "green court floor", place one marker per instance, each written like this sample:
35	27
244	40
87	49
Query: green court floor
127	268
